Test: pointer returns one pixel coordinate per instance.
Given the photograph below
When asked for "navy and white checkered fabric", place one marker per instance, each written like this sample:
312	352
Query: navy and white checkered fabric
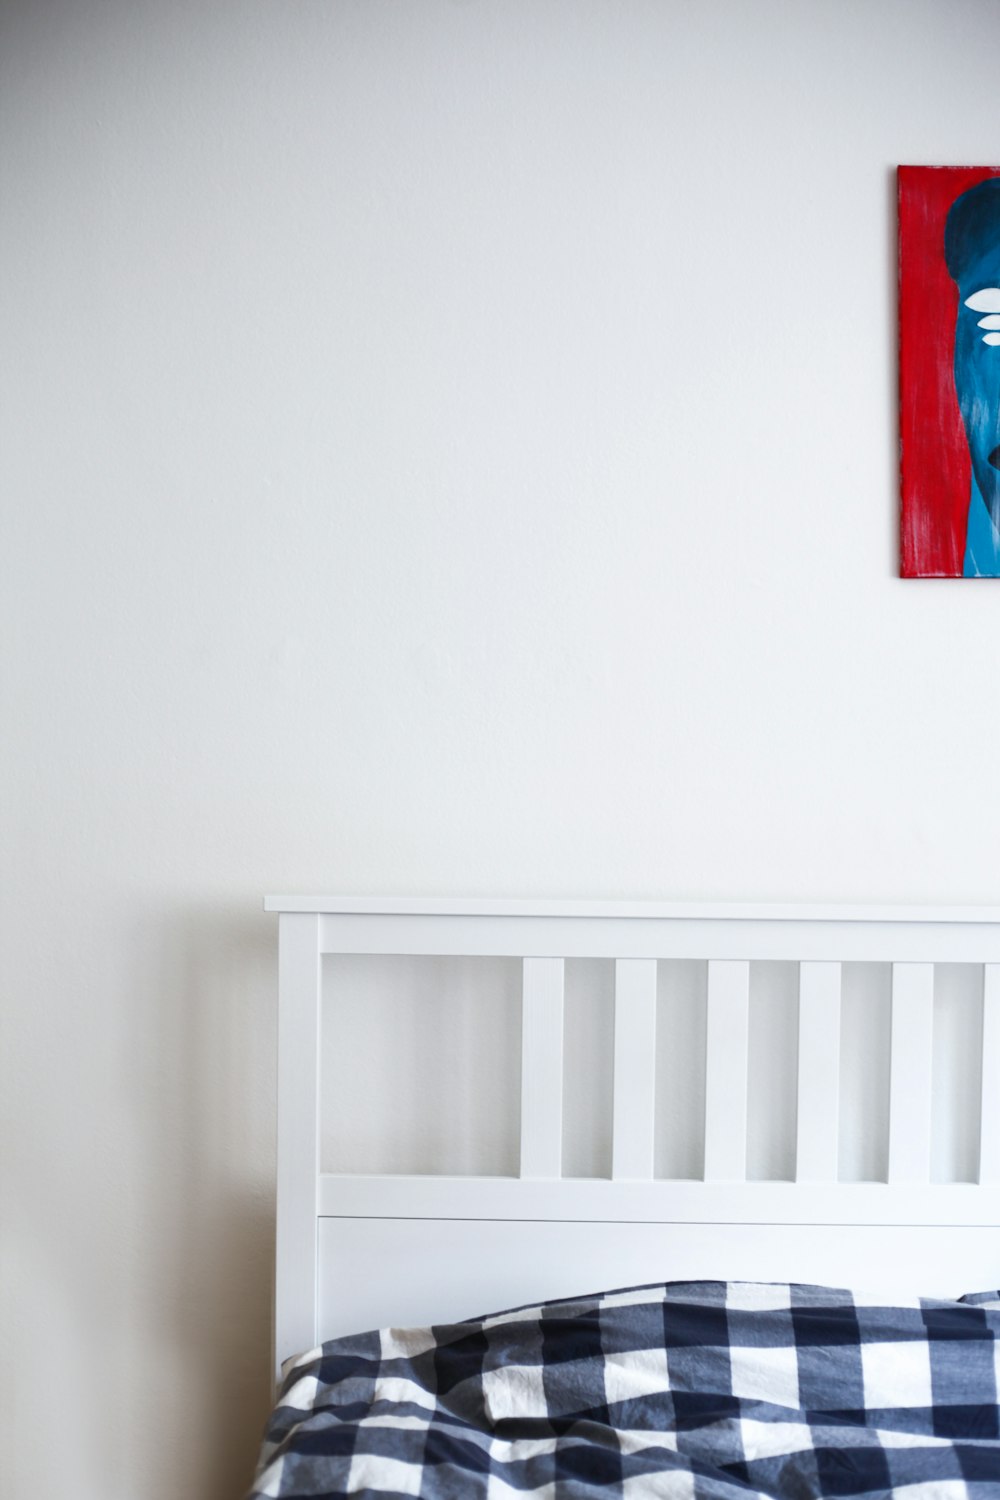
693	1390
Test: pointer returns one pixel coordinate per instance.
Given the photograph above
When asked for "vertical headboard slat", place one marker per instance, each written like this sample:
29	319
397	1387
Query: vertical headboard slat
989	1115
726	1047
910	1063
632	1138
817	1130
542	1067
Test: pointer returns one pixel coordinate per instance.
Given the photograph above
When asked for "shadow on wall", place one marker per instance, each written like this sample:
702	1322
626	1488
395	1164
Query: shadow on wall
199	1072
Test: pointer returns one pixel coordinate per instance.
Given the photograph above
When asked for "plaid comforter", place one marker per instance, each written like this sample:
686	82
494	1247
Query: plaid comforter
707	1390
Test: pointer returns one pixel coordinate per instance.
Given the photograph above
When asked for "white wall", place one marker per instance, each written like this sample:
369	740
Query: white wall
447	447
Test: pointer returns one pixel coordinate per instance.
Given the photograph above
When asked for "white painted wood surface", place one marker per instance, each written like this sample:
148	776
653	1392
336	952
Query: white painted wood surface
711	911
910	1072
592	1200
686	935
299	997
726	1048
429	1271
817	1134
471	1243
633	1123
542	1067
989	1117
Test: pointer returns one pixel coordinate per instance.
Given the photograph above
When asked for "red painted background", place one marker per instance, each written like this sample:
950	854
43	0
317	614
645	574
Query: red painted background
934	459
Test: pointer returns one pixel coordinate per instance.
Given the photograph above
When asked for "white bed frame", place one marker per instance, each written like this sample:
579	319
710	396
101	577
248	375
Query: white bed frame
357	1251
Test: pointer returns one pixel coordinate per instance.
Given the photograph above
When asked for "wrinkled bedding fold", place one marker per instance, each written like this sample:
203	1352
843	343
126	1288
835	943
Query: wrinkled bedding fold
707	1390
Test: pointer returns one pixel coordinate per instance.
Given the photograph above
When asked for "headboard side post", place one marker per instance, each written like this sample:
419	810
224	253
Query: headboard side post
299	996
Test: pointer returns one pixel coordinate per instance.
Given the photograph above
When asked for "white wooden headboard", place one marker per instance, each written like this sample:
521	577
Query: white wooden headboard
355	1251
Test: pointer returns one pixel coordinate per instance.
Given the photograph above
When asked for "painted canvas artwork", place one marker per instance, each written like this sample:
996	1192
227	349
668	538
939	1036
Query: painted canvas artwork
949	371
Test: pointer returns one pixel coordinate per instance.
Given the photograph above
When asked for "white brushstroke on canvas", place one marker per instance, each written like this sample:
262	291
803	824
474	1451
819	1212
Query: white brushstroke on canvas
985	301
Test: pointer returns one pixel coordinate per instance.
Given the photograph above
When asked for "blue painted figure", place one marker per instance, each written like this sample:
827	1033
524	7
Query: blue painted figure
972	254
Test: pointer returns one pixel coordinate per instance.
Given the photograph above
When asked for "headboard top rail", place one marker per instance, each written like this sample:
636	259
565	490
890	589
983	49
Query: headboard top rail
483	906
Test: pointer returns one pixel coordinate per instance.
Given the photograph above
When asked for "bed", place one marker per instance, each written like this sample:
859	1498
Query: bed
715	1337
